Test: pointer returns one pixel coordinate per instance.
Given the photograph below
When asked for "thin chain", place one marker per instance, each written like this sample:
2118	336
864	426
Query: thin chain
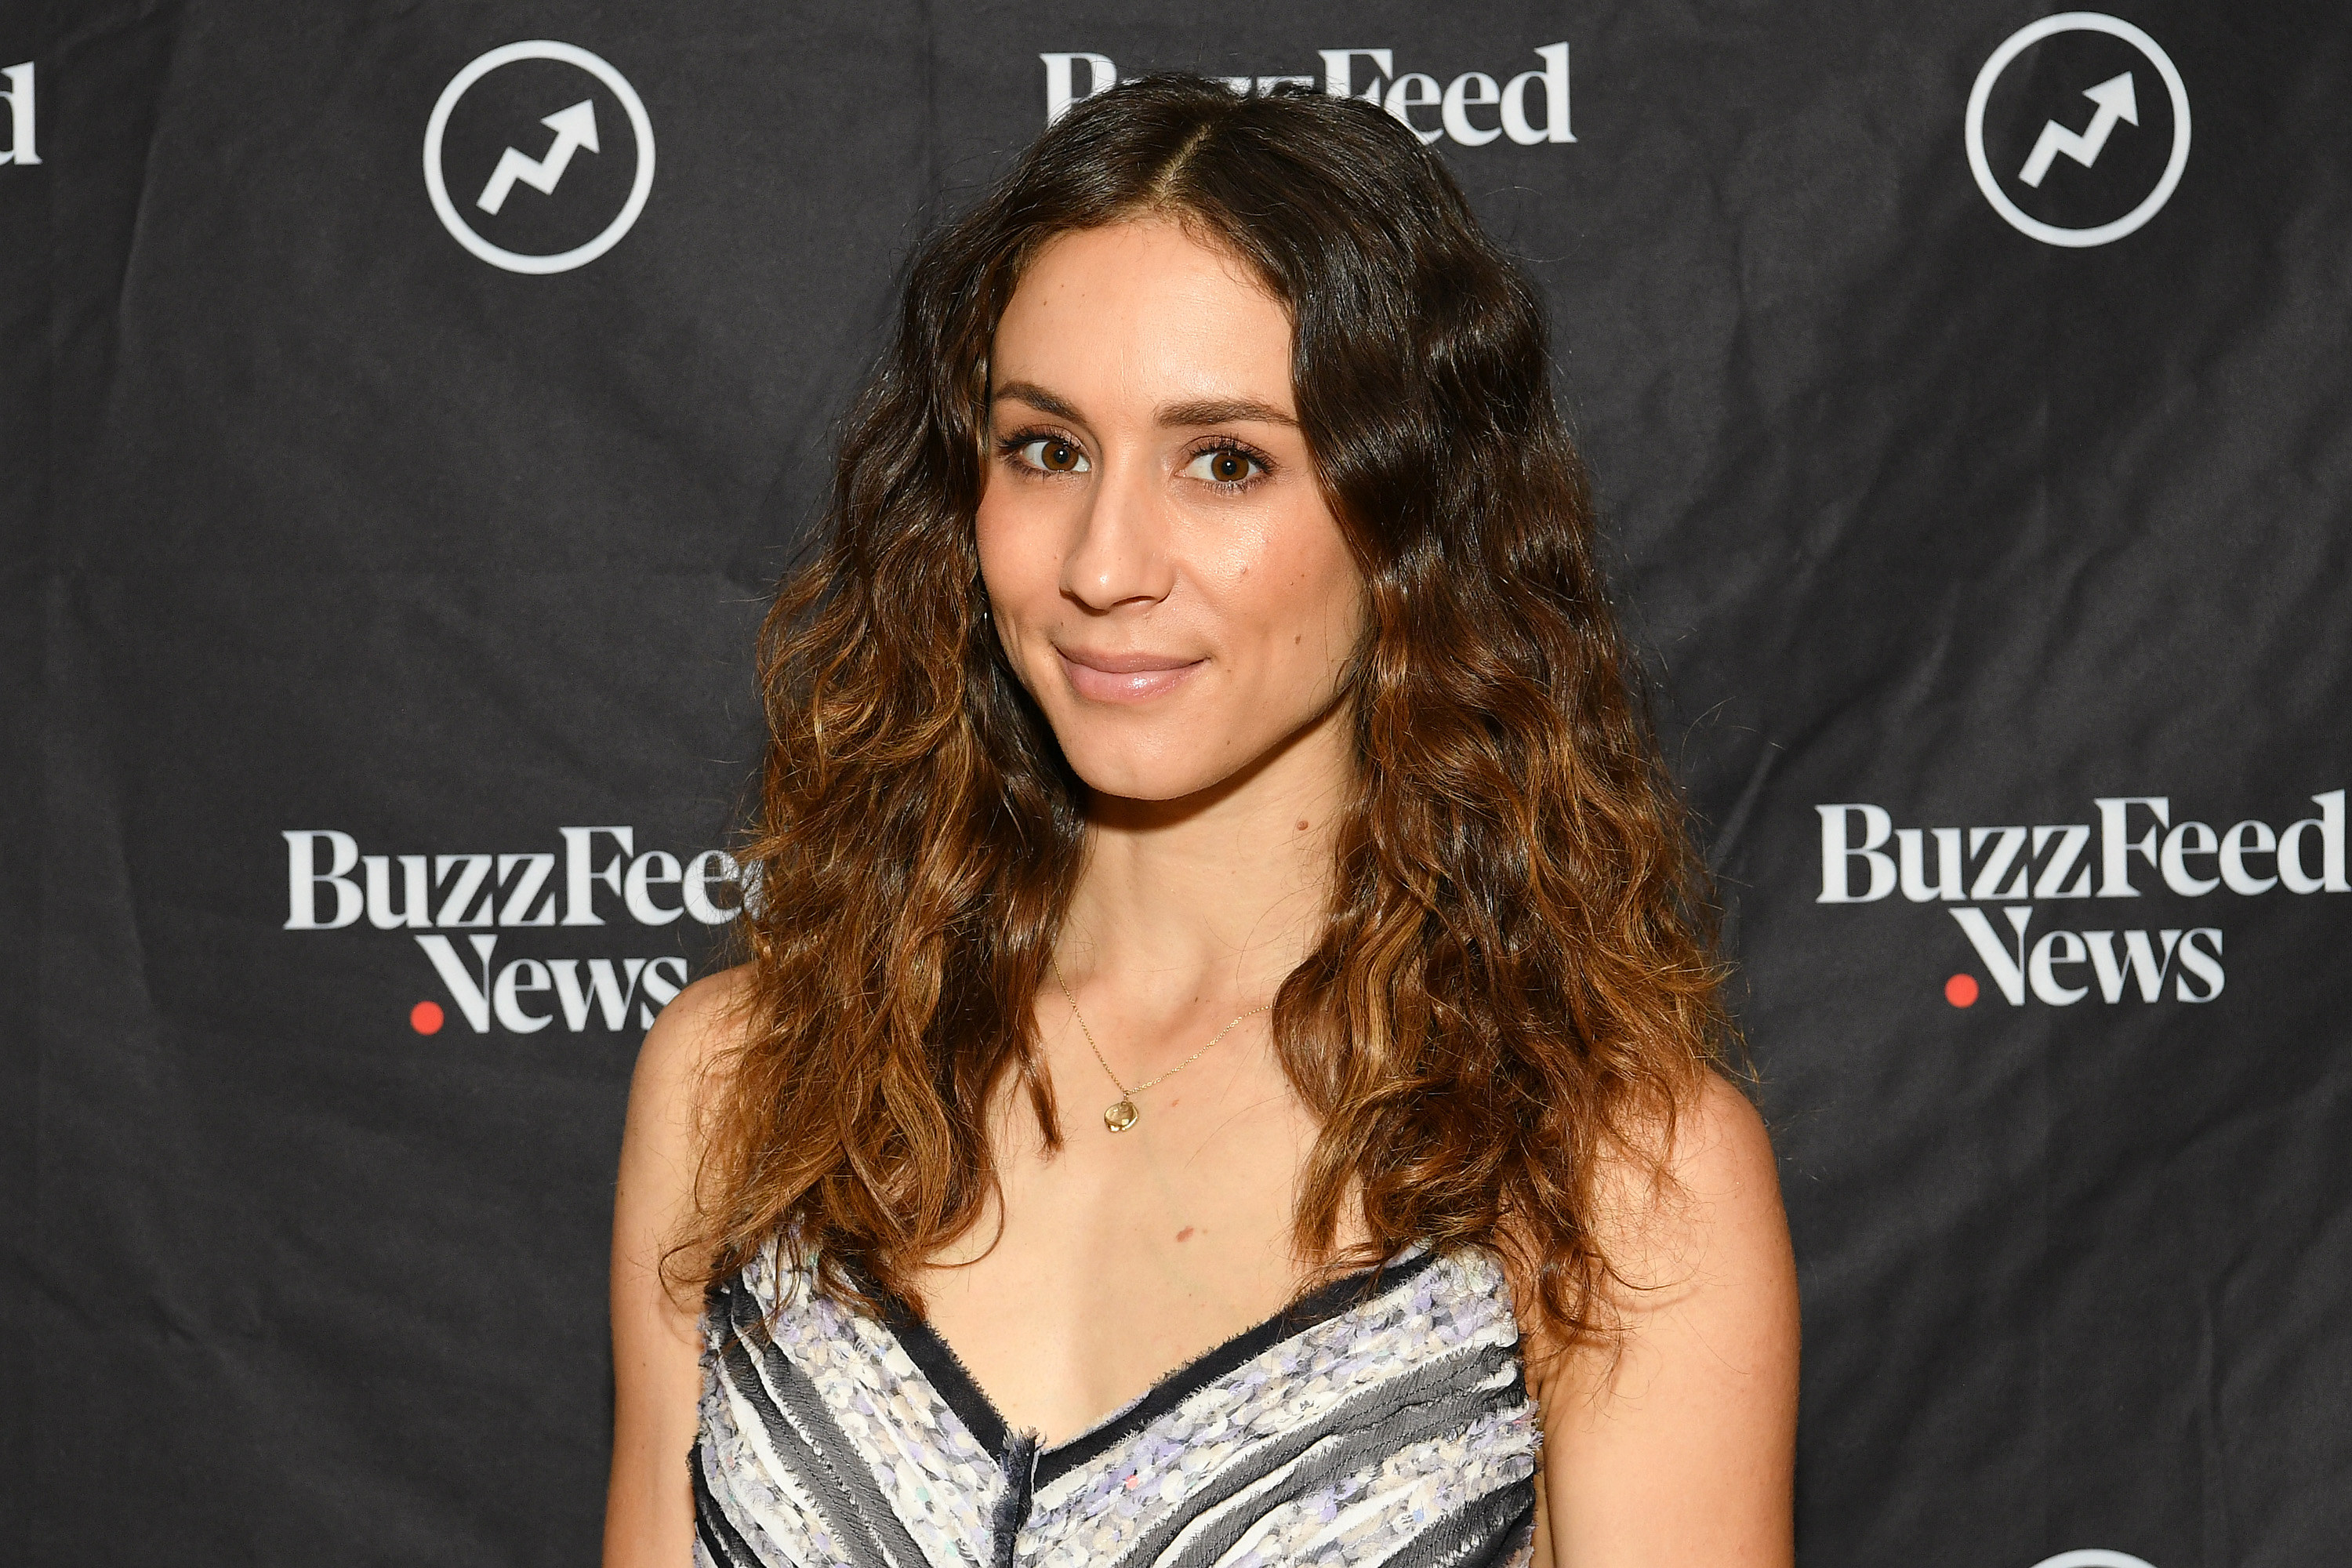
1124	1090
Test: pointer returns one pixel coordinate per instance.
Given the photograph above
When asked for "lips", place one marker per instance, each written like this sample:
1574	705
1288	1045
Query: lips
1104	676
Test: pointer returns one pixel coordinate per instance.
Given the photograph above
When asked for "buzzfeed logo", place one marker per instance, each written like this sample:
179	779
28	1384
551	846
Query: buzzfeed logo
330	884
1865	857
1531	108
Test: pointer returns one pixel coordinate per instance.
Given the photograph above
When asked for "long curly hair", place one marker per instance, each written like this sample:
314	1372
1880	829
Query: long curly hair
1516	981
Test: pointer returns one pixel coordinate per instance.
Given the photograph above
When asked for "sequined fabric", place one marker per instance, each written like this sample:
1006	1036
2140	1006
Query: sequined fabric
1381	1420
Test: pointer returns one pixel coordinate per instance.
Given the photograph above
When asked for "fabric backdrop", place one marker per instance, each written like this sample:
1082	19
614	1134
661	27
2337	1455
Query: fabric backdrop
405	409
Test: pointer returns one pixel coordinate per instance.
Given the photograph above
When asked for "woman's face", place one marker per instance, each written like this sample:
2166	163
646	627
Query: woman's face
1160	563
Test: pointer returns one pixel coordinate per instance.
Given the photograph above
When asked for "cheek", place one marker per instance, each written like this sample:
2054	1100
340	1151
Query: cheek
1347	607
1012	553
1332	585
1312	596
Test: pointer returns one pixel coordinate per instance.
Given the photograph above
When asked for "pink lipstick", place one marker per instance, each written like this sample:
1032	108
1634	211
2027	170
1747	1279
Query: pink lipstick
1102	676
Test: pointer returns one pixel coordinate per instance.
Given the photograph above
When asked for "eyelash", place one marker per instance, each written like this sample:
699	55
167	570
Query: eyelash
1008	450
1263	464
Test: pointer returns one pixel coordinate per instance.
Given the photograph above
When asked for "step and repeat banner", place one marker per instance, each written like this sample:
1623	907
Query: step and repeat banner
406	410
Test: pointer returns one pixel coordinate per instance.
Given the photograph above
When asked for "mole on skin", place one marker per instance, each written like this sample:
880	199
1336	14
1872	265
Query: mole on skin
1185	1234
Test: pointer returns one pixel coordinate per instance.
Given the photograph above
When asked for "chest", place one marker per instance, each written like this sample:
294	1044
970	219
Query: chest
1105	1263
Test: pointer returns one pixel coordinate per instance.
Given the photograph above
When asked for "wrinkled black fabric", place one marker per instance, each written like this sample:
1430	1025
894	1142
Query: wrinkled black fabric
313	522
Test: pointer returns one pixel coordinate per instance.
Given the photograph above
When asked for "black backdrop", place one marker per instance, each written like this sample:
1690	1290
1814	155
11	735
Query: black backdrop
1997	580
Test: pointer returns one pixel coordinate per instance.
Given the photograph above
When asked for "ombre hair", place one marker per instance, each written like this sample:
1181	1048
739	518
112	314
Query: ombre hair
1515	983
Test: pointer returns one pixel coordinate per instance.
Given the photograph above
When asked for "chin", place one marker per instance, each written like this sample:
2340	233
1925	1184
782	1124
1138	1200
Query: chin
1118	772
1161	756
1181	756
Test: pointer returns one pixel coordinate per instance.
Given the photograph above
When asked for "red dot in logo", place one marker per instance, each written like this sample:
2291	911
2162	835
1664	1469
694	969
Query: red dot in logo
426	1018
1961	991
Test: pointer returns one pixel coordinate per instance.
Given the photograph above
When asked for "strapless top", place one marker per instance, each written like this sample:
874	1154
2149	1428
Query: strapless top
1383	1419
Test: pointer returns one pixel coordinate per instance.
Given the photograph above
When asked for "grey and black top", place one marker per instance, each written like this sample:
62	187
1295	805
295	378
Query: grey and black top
1383	1419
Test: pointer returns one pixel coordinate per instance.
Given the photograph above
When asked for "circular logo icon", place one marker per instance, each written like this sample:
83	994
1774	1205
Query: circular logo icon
2093	1557
574	130
2116	103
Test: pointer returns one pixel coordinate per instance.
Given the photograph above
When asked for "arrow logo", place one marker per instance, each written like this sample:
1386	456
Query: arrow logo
2114	97
575	128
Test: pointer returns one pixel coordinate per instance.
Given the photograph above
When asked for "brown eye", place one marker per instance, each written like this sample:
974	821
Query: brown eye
1225	466
1054	456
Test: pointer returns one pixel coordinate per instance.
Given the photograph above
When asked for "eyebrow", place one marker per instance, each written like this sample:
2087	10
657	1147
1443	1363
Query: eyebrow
1223	411
1036	397
1179	415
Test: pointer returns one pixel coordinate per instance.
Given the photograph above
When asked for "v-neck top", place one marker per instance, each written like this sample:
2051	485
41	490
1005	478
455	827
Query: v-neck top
1381	1419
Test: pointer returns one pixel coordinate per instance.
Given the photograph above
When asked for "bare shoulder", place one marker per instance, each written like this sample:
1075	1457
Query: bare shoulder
695	1033
1694	1201
656	1328
1721	1154
669	1093
1700	1378
662	1139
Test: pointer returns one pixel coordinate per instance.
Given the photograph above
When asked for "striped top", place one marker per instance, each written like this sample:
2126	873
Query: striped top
1383	1419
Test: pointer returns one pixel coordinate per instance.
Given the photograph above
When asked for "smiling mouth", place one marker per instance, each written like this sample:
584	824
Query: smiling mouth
1101	677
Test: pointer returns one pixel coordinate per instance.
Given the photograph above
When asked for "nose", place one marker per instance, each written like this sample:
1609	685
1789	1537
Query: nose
1120	556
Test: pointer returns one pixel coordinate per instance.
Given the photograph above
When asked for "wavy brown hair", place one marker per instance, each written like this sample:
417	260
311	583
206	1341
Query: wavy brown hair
1514	980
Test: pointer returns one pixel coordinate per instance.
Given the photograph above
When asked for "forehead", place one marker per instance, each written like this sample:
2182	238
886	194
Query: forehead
1143	306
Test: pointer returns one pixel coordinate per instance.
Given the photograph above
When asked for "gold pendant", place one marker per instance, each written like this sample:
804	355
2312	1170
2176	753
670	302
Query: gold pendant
1121	1117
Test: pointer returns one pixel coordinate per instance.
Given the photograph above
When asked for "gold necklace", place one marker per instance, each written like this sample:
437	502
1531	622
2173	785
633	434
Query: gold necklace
1121	1114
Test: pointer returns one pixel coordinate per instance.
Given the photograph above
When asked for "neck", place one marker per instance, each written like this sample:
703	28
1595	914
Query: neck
1219	895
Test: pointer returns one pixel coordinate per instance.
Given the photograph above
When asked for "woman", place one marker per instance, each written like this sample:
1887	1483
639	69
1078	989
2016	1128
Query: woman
1226	962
